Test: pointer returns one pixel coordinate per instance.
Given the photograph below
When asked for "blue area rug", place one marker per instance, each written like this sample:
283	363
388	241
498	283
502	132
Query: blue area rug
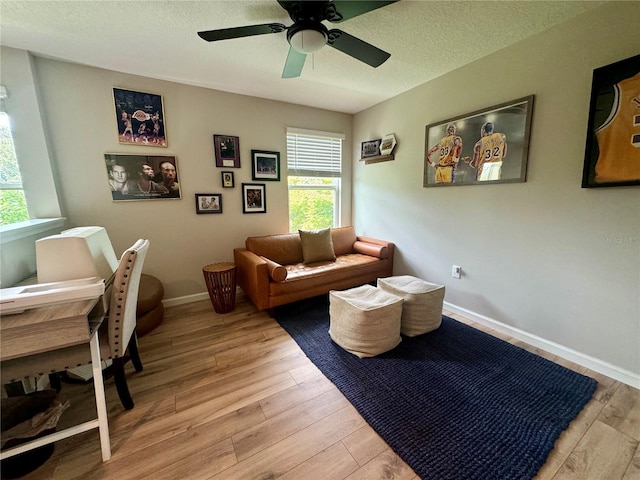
455	403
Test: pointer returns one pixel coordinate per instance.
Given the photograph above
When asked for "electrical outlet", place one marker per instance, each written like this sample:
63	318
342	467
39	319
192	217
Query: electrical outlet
456	271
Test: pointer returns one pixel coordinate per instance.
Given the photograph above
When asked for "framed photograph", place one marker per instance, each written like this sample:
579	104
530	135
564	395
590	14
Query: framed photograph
370	148
227	180
388	144
254	198
208	203
482	147
142	177
140	118
612	154
227	151
265	165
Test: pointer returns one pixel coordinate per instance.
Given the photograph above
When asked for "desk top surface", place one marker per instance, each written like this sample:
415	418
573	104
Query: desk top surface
48	328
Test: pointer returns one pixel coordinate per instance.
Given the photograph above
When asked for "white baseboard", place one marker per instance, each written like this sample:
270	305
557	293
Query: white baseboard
196	297
600	366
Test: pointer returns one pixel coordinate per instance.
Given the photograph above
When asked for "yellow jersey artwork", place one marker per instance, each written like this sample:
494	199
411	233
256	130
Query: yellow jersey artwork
619	136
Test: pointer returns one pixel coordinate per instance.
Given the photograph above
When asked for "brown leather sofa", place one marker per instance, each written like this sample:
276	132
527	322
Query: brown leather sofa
271	269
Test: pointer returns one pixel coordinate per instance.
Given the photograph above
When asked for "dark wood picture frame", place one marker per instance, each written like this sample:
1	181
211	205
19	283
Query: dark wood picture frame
613	113
227	151
265	165
500	132
254	198
228	180
208	203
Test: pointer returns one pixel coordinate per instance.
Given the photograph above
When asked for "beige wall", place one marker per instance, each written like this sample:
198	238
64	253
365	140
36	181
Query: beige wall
77	103
546	257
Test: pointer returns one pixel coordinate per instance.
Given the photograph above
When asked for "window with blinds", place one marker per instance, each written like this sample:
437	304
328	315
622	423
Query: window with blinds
314	167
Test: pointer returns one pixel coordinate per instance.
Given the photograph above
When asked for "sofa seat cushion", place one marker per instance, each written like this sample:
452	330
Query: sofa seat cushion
301	276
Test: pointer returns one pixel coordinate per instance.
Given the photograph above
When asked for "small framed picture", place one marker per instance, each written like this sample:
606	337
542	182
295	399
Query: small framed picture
227	180
370	148
265	165
388	144
254	199
208	203
227	150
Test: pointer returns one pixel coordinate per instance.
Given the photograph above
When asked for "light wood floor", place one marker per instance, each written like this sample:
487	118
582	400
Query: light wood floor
233	397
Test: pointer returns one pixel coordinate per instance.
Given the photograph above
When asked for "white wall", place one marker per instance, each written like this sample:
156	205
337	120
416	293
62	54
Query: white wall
546	257
77	102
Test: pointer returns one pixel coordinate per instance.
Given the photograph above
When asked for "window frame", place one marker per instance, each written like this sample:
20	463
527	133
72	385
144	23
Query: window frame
332	171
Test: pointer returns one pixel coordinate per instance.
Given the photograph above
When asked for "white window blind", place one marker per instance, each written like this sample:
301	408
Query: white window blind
314	154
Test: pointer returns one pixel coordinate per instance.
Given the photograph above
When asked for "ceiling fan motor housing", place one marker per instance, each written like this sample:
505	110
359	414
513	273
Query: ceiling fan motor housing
307	37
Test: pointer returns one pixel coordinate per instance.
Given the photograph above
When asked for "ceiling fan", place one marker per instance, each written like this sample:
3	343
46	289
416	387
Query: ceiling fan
308	34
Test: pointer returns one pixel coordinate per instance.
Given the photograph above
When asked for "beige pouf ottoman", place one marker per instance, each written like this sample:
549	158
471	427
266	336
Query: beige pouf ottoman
422	307
365	320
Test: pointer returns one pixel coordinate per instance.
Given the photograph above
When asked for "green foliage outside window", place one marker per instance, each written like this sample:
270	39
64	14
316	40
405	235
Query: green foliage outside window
311	208
13	206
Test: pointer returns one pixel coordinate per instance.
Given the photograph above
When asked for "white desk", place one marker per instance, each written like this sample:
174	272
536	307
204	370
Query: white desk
46	329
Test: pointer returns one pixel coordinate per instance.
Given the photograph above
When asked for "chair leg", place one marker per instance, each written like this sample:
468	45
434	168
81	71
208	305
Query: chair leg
133	352
121	383
54	381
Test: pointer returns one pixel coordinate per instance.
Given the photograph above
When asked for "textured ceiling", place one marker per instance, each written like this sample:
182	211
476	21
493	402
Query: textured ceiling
158	39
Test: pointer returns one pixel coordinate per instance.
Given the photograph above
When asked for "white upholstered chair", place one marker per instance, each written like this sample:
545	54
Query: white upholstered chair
117	332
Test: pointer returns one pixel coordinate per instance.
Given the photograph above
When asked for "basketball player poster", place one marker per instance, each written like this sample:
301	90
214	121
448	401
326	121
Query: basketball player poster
140	118
484	147
612	156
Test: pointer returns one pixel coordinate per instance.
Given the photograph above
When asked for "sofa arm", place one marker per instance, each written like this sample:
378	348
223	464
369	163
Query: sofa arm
276	271
374	247
253	276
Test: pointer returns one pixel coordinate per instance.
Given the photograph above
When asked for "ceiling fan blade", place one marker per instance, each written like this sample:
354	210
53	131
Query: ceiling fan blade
238	32
293	65
349	8
358	49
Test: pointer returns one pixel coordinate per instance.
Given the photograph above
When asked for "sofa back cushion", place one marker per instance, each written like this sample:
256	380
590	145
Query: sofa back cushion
284	248
343	239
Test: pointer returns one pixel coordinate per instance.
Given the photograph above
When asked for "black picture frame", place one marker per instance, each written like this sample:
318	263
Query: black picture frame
208	203
611	116
254	198
227	179
370	148
227	151
510	127
265	165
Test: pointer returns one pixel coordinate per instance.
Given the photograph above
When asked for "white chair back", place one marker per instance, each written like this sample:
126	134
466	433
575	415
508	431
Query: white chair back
124	297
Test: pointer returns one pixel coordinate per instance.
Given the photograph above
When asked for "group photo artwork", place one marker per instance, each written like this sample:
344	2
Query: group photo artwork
140	118
142	177
483	147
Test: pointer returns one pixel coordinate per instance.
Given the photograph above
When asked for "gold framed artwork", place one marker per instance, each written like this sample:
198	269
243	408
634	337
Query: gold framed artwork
142	177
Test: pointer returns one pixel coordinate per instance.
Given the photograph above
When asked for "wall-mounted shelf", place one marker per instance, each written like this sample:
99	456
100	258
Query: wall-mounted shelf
377	159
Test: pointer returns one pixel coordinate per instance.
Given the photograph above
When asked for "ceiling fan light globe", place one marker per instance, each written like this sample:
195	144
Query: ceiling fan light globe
308	40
